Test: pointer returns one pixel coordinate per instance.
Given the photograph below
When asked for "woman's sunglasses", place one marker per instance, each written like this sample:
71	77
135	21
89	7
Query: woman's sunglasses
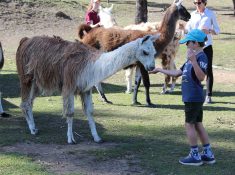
197	3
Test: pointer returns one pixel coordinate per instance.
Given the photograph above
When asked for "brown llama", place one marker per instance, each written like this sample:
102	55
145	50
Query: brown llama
112	38
2	113
52	64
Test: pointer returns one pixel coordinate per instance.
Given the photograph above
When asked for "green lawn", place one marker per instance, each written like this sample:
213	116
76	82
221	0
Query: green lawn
155	136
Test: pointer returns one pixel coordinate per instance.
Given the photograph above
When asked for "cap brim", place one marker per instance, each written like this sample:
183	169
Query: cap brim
183	40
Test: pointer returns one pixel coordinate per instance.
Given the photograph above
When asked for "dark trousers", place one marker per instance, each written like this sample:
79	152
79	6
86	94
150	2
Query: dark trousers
210	78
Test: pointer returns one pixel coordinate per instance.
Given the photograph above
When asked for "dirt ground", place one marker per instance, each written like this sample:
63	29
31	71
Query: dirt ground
18	20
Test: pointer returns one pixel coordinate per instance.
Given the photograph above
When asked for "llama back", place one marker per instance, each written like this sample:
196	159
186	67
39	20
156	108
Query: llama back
111	38
45	59
1	56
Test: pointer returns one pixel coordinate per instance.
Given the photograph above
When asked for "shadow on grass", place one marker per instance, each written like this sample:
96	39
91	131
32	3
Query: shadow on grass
52	129
9	85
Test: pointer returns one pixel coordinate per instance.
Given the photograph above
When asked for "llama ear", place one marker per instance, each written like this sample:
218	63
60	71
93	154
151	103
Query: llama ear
100	8
178	2
110	8
155	37
145	38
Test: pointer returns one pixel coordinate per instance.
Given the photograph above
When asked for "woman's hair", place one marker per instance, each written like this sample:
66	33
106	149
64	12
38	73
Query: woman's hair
204	1
90	6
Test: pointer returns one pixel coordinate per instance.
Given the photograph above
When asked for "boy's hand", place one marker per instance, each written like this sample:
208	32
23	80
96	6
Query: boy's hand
191	55
154	71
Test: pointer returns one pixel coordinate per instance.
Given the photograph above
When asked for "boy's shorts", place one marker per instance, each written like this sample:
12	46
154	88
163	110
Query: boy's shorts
193	112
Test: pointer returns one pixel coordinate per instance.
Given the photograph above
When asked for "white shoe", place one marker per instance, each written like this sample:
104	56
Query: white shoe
208	100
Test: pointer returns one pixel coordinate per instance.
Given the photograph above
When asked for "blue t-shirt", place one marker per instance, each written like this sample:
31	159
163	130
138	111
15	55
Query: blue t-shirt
192	89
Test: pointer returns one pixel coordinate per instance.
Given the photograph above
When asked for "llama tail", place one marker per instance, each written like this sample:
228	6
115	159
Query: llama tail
82	30
1	56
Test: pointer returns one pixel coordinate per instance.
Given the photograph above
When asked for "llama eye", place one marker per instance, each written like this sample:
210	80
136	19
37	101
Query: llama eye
145	53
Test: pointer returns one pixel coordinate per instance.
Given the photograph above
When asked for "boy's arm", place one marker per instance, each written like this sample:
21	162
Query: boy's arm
198	71
174	73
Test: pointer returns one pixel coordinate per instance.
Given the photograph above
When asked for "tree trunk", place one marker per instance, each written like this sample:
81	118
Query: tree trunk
234	7
141	11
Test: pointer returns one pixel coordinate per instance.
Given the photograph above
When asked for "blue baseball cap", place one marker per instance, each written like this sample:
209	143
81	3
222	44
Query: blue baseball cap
194	35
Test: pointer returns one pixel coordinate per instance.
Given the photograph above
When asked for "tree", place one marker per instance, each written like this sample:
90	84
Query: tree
141	11
234	7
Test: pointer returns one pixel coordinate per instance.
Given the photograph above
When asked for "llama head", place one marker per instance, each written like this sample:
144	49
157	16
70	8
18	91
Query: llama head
106	17
183	13
146	51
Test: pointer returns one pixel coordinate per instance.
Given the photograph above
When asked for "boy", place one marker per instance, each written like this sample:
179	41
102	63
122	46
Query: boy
193	72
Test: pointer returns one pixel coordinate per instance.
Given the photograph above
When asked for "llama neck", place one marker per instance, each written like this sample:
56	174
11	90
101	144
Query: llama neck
167	28
109	63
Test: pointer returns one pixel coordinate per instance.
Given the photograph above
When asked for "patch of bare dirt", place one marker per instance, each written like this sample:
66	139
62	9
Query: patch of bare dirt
64	159
224	76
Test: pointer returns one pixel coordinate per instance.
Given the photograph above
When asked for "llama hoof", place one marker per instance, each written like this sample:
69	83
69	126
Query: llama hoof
4	115
108	102
34	131
128	92
73	142
163	92
151	105
136	103
100	141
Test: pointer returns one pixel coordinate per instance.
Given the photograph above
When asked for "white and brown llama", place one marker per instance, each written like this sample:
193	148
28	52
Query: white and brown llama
2	113
49	64
167	57
112	38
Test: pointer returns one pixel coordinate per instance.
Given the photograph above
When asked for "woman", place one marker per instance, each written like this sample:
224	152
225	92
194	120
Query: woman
204	19
92	17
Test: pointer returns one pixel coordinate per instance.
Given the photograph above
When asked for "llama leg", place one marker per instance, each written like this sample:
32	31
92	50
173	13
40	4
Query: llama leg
173	78
101	92
27	105
68	107
128	74
137	84
88	110
146	82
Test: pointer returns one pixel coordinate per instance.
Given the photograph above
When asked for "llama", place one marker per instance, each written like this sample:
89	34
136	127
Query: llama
106	18
52	64
167	57
2	113
112	38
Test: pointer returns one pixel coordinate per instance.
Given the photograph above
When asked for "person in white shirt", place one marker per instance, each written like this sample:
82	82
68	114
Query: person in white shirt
205	19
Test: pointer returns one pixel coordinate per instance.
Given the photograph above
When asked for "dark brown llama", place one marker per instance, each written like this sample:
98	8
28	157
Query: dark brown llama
112	38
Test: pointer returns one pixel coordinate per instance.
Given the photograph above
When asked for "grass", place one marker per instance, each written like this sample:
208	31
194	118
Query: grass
155	136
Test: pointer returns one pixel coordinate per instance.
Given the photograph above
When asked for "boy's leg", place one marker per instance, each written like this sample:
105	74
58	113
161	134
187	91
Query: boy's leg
194	157
202	134
207	155
191	133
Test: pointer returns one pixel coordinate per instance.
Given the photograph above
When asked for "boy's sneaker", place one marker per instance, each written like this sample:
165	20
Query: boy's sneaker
207	160
191	160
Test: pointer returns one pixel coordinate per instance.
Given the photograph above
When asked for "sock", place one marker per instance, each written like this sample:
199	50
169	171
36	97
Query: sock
207	150
194	152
